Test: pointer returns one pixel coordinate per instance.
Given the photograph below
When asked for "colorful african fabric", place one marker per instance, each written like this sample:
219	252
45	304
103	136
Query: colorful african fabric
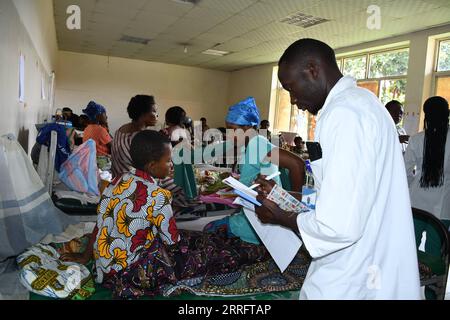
196	257
133	211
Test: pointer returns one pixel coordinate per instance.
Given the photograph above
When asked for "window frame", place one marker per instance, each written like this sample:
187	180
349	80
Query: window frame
340	59
438	74
352	57
368	55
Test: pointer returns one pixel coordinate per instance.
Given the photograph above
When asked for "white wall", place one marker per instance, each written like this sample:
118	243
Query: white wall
255	82
37	18
113	81
17	18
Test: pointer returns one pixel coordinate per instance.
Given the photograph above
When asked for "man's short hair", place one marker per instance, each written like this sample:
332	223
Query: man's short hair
305	49
393	103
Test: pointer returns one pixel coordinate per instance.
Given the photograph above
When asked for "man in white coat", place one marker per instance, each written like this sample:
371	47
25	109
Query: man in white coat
361	234
395	109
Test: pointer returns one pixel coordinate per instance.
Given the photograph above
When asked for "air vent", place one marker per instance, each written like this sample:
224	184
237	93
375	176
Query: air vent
132	39
303	20
194	2
215	52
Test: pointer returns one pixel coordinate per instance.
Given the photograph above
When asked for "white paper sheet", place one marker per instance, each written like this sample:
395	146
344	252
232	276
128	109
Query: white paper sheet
242	190
283	244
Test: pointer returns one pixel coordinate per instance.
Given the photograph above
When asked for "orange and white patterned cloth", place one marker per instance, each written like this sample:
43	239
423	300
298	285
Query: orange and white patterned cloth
133	211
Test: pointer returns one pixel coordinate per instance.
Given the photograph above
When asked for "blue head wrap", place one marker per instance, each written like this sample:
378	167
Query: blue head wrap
93	109
244	113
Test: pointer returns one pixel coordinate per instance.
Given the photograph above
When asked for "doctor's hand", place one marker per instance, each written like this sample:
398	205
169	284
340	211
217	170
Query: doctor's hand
404	139
264	186
269	212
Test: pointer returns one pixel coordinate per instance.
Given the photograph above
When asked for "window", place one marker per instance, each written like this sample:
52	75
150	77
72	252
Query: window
388	64
22	78
43	91
382	72
289	118
444	56
339	63
442	70
394	89
355	67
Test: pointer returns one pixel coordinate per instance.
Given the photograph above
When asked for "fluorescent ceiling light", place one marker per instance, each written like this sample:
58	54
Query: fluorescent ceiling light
194	2
215	52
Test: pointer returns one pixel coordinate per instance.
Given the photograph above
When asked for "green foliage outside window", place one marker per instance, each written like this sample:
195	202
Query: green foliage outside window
389	64
444	56
392	90
355	67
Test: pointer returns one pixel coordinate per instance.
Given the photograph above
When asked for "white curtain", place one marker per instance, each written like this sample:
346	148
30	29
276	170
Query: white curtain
27	213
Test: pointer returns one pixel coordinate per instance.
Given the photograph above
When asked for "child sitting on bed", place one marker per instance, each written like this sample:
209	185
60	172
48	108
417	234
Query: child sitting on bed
136	244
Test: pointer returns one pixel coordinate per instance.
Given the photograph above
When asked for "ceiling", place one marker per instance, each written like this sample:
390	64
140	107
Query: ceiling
251	30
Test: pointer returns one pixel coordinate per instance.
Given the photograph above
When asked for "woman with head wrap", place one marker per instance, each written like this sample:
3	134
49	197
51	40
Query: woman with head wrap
97	131
429	153
254	152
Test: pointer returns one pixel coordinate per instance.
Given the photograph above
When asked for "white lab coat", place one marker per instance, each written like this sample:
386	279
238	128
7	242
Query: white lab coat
361	235
433	200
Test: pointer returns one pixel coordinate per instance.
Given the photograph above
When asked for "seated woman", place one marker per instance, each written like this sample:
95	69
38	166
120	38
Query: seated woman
136	244
175	121
97	131
143	113
253	153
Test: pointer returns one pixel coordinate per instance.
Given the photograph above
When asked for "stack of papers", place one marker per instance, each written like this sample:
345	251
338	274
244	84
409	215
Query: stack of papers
283	244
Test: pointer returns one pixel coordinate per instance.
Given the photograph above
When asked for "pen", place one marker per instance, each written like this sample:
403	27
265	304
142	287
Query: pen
268	178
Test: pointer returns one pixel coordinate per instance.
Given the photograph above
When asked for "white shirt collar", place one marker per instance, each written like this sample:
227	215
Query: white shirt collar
343	84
